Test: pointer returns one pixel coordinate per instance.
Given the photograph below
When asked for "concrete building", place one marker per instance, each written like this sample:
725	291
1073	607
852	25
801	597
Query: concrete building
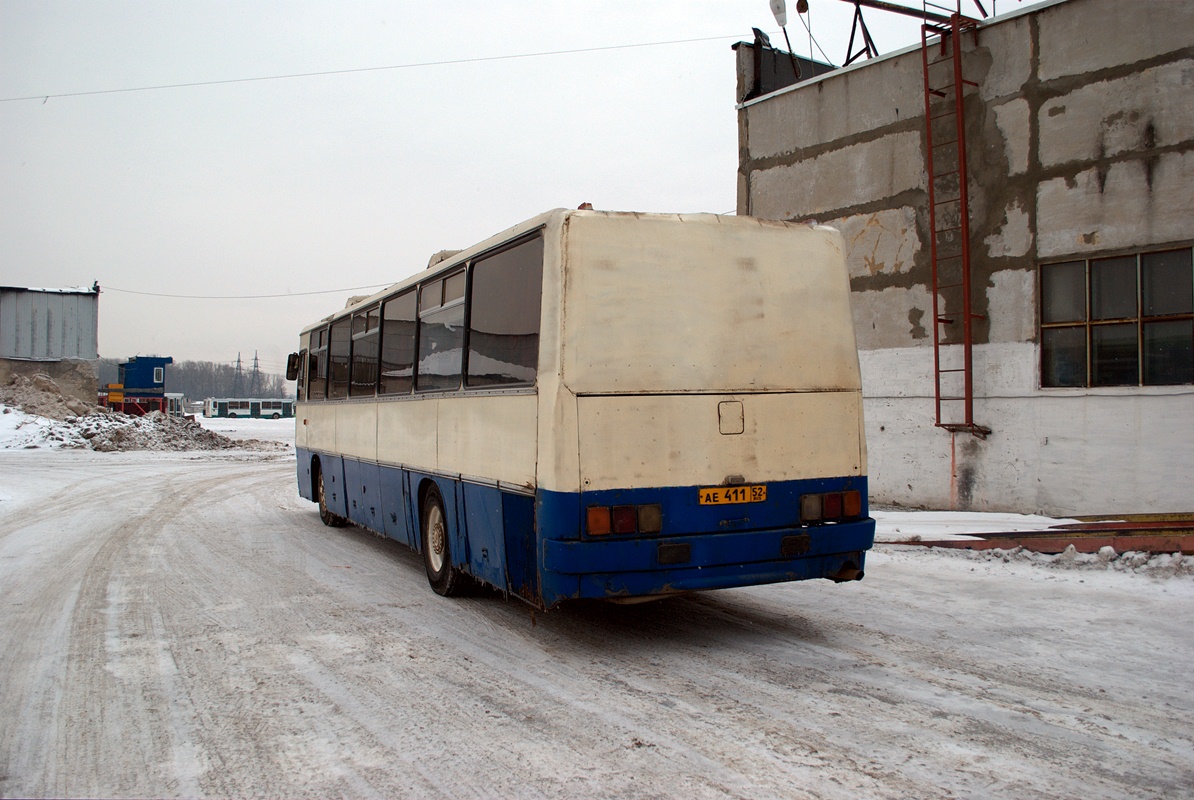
51	332
1079	151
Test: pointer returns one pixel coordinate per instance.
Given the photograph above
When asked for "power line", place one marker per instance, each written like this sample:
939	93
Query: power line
243	296
45	97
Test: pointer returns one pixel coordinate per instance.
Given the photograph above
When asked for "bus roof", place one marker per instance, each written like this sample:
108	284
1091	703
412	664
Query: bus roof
555	216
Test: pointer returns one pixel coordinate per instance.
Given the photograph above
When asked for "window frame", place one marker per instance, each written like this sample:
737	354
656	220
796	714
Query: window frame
357	356
480	259
1098	328
317	383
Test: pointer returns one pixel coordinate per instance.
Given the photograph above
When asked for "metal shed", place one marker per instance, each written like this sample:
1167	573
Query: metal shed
49	324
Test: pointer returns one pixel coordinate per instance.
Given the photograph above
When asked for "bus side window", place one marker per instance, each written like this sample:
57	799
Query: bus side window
317	385
364	352
398	344
441	335
503	343
339	351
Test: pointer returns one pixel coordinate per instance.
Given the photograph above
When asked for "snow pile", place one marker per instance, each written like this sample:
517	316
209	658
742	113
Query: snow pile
41	397
111	432
1162	565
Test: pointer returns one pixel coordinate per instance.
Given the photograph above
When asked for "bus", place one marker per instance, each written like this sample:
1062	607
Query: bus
599	404
233	407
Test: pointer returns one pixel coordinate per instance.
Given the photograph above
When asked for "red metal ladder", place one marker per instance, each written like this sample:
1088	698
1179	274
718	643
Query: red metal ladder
949	222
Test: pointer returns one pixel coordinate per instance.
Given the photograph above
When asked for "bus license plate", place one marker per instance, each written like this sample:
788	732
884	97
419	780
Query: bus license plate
730	495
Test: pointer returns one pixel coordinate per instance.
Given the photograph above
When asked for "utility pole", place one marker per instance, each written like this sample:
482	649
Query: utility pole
255	379
238	378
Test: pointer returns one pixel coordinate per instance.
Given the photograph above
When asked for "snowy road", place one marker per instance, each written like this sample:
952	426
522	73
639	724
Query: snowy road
181	624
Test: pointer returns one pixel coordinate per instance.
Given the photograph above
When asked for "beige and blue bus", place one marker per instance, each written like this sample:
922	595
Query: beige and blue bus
599	405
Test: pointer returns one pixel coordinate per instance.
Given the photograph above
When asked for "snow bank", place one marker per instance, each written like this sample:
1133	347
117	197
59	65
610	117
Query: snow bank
1156	565
108	432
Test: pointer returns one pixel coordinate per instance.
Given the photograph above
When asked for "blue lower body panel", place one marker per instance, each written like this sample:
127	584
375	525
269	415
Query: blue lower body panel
537	548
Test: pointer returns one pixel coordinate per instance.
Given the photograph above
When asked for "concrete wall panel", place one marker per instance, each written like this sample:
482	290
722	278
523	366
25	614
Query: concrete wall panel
1132	204
1012	119
893	317
1077	38
851	176
1133	114
1014	238
826	111
1058	452
1011	305
1009	46
882	243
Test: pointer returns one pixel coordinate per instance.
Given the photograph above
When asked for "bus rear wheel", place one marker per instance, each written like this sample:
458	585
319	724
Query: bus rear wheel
444	578
325	513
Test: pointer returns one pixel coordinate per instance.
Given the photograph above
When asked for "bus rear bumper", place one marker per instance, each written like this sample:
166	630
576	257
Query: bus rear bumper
643	567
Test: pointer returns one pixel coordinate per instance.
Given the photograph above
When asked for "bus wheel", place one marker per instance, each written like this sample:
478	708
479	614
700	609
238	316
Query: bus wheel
276	415
325	514
445	579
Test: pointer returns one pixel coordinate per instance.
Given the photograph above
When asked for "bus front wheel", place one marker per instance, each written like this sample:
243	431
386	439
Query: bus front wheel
444	578
325	513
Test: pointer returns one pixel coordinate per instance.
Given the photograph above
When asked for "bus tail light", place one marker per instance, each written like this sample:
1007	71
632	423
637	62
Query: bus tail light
604	520
852	503
810	508
650	518
625	519
598	520
830	506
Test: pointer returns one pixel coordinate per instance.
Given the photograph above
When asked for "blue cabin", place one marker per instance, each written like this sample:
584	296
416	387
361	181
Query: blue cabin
144	376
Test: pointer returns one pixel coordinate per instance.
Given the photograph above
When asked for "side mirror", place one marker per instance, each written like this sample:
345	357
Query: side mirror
292	367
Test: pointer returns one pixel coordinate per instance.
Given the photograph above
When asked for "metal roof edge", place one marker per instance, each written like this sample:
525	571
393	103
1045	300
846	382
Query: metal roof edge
1031	9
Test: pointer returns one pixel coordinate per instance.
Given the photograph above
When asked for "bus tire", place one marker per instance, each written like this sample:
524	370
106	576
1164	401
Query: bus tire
276	415
445	579
325	514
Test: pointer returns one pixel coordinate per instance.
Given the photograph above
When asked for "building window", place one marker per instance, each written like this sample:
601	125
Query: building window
1119	321
159	374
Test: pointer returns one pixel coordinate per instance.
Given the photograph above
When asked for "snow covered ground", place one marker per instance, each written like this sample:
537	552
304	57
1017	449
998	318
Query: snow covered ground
179	623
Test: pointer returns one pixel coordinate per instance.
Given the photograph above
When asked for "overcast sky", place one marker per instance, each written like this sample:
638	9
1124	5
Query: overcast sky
329	182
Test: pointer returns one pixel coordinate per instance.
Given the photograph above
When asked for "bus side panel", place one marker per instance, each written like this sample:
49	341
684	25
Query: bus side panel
483	526
362	491
395	512
522	565
332	468
306	487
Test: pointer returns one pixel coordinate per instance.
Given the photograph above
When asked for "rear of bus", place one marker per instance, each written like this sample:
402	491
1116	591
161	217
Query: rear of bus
702	427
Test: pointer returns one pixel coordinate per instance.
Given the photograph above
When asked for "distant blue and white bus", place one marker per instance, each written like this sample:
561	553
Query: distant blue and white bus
600	405
255	407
